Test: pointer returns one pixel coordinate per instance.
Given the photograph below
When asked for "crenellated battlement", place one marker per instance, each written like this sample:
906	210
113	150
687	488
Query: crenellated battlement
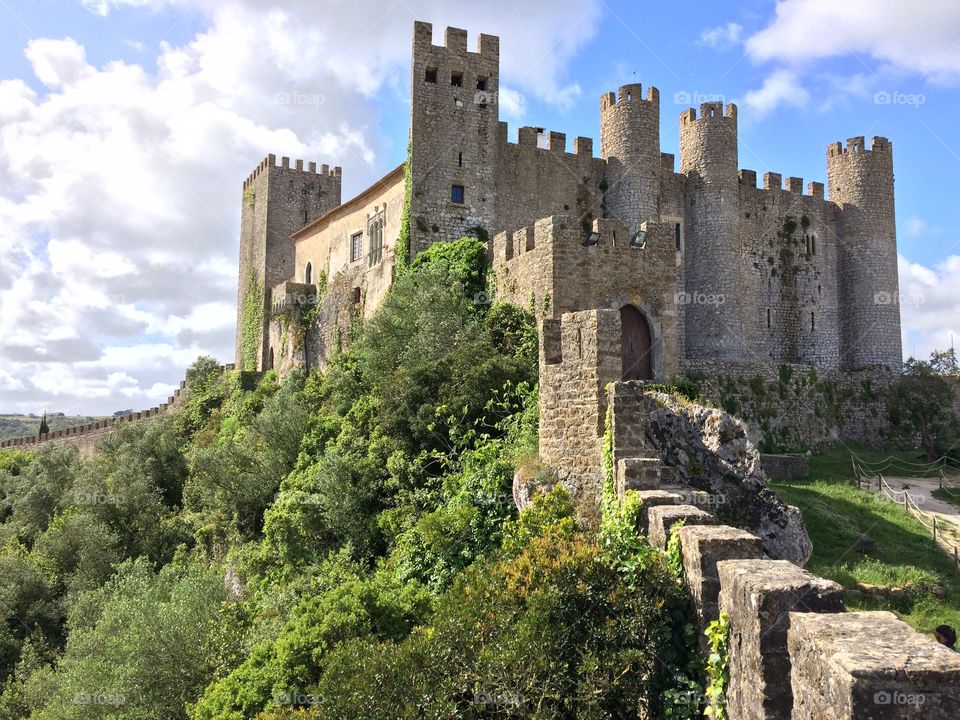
858	145
455	41
547	141
630	96
709	111
774	182
311	168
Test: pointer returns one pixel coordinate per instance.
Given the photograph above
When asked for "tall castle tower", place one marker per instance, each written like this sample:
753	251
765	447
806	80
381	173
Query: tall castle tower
861	183
453	136
277	201
708	156
630	142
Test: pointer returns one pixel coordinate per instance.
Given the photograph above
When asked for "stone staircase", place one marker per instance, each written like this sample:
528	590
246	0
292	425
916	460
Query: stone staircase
795	653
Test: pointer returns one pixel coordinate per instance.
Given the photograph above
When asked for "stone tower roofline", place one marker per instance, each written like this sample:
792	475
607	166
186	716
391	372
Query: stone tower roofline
529	136
455	41
271	162
627	94
858	145
708	111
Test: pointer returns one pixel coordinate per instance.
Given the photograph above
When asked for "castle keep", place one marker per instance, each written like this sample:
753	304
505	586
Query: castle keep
708	271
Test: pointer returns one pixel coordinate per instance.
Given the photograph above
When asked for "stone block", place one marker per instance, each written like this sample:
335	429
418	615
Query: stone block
703	546
758	596
662	518
651	499
869	665
638	473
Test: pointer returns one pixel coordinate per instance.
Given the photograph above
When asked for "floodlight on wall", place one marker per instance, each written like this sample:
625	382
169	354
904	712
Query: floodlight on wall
639	239
592	239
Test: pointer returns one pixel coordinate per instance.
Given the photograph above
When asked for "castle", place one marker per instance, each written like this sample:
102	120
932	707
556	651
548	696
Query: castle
708	271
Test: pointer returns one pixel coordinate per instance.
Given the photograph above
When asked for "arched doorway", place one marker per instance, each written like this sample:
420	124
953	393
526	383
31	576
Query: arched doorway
636	345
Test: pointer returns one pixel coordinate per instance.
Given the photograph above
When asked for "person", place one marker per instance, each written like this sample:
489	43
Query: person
946	635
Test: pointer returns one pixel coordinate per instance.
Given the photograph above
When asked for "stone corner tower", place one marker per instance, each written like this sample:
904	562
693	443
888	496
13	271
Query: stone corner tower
630	143
712	257
860	182
277	201
454	136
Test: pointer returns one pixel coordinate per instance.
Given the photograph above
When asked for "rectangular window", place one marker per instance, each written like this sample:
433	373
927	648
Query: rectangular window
456	194
482	83
356	296
431	76
456	79
356	247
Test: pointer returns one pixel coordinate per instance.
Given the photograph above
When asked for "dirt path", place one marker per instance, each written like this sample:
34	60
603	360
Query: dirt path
921	491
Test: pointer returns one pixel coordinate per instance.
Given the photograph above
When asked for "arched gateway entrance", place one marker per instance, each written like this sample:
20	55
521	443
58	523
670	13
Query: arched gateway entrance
636	344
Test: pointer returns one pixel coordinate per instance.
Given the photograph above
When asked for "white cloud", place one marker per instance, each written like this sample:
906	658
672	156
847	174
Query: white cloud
914	226
919	36
782	87
723	36
119	183
929	298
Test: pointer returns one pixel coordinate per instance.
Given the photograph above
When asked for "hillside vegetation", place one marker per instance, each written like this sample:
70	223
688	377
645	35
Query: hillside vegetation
339	545
14	426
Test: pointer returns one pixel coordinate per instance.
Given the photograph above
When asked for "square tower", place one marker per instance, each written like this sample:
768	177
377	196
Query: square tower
453	136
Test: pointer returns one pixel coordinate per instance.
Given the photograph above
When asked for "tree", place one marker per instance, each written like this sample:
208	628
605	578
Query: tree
922	404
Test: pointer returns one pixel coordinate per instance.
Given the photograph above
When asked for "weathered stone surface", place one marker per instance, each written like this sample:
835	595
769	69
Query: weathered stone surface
703	546
758	596
651	499
869	665
785	466
638	473
661	519
712	453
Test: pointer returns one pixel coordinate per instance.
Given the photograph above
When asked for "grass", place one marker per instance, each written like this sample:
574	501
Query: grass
902	552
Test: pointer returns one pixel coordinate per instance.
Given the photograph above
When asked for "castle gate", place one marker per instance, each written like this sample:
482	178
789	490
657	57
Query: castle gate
636	345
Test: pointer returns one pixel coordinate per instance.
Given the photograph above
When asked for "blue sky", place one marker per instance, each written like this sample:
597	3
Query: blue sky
127	126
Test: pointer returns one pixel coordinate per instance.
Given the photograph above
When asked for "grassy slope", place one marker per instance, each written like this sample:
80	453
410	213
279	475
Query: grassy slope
12	426
837	514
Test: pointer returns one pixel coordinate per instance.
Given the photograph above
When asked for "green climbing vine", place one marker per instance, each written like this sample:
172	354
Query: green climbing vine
674	551
251	332
718	667
402	253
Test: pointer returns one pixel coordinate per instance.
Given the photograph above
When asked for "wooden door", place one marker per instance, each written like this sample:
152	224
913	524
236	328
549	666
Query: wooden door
636	345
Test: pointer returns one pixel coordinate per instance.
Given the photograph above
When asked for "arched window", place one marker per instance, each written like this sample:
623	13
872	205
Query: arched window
308	274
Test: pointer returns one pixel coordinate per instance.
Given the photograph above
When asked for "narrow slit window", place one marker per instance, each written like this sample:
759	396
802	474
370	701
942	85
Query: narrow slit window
356	296
813	322
460	159
768	319
457	194
676	233
431	76
308	274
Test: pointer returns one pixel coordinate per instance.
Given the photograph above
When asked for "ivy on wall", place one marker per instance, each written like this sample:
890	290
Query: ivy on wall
401	256
251	320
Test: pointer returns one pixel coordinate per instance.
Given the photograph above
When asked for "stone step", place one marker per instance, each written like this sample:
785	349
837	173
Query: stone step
654	498
640	473
662	518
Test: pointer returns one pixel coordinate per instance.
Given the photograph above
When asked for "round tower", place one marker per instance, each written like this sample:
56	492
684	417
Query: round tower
630	142
861	184
712	257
